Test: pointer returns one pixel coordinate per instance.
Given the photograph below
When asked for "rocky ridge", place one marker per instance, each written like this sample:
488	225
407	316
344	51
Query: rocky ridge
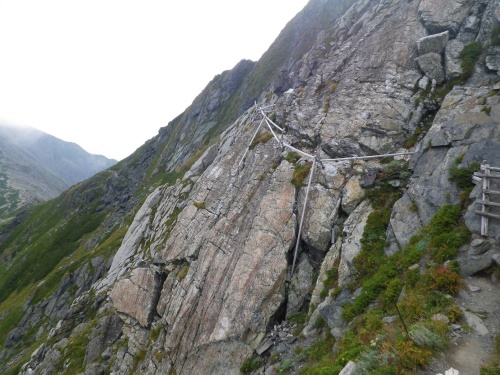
201	279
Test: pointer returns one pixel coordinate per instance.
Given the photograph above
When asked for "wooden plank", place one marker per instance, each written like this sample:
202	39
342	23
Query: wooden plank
487	191
477	174
487	214
495	169
488	203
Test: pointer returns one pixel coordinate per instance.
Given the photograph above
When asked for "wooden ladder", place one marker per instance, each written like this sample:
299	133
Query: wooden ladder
485	202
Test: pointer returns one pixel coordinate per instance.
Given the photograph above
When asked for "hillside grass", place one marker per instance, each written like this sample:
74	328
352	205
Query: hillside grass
392	282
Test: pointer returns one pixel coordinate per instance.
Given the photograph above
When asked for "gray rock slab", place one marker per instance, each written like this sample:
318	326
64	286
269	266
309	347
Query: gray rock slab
349	369
493	58
475	322
472	265
431	65
441	15
452	61
264	345
433	43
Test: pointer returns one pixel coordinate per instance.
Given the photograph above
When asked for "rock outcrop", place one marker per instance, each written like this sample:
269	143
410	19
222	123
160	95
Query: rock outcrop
200	279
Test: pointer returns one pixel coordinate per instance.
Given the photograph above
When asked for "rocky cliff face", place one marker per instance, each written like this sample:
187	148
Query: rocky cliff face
200	278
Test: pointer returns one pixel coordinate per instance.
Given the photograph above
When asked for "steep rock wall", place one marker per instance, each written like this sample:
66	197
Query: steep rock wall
214	248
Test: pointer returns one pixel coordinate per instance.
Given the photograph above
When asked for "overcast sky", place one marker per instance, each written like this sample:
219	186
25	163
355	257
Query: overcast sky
107	74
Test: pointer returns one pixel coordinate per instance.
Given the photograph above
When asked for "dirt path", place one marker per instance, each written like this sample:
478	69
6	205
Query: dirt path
471	346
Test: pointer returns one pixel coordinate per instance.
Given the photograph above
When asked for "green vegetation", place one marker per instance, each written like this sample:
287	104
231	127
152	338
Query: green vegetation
495	36
330	282
263	138
387	347
47	251
486	109
199	205
462	178
251	364
468	56
300	173
183	272
285	367
292	157
393	285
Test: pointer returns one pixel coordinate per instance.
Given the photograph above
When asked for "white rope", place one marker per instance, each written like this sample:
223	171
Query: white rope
282	143
311	173
369	157
298	151
271	128
272	122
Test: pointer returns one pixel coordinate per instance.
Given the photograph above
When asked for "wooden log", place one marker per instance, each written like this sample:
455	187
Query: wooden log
484	210
487	214
477	174
488	203
488	191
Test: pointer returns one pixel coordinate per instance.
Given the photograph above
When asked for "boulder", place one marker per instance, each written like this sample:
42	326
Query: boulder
479	246
441	15
403	224
137	295
475	322
423	83
106	332
13	337
433	43
349	369
430	64
322	209
353	194
472	265
300	286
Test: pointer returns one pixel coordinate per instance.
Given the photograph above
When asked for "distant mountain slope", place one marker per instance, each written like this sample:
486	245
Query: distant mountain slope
66	160
35	167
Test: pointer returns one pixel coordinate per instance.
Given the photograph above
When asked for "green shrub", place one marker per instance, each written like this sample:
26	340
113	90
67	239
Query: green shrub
292	157
251	364
183	272
462	176
425	338
263	138
486	109
199	205
330	282
469	55
495	36
443	279
300	173
285	367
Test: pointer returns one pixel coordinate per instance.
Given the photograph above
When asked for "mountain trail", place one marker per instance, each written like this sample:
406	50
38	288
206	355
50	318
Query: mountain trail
473	343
